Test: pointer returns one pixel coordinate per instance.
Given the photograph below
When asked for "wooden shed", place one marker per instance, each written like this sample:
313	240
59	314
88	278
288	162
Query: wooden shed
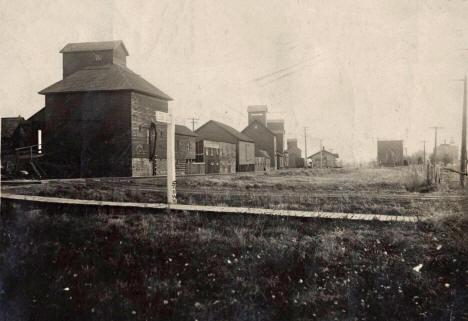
324	159
390	152
100	118
214	131
218	157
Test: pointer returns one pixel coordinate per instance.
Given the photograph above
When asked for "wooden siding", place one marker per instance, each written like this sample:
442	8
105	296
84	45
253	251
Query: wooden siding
263	139
327	160
74	61
143	113
246	153
184	147
219	157
390	153
196	168
87	134
227	158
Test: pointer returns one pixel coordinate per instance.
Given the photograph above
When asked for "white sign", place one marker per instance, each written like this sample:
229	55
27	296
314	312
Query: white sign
163	117
210	144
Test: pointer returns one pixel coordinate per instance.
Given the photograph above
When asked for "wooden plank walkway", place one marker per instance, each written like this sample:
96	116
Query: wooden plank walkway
212	209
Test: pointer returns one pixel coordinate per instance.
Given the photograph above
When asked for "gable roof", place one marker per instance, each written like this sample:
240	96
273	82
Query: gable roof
104	78
325	151
183	130
259	123
9	125
94	46
39	116
231	131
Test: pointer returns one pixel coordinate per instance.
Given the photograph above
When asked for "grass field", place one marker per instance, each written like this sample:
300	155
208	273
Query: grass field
75	263
57	264
378	191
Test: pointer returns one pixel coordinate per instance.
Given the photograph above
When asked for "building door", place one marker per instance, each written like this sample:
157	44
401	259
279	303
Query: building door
212	160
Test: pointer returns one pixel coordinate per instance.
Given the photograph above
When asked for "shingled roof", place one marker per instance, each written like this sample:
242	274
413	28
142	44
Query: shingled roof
233	132
104	78
324	151
94	46
183	130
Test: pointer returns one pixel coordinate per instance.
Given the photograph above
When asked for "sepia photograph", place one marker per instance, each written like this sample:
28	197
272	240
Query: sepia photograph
233	160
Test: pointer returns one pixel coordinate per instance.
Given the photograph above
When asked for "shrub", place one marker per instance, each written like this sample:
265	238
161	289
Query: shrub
414	181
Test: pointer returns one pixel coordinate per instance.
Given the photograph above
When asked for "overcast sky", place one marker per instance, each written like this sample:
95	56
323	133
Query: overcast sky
351	71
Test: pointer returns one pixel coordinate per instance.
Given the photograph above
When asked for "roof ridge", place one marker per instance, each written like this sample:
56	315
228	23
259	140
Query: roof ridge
109	77
257	121
237	134
93	46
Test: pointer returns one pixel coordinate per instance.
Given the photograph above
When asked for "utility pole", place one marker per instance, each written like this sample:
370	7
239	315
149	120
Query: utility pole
193	120
321	153
305	147
435	143
463	142
424	142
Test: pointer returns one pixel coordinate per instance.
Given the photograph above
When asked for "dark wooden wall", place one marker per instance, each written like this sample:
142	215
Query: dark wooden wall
88	134
263	139
390	153
184	147
74	61
295	159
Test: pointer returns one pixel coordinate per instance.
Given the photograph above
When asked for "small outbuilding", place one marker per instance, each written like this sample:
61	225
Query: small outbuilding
390	153
323	159
215	137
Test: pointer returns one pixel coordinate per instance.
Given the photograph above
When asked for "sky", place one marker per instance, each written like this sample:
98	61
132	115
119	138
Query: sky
352	72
